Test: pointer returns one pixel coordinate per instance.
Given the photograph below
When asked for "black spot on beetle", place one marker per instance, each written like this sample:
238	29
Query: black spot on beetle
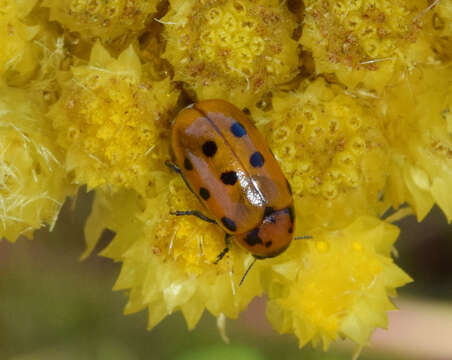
253	238
204	193
291	230
257	160
228	223
209	148
268	244
187	164
229	177
238	130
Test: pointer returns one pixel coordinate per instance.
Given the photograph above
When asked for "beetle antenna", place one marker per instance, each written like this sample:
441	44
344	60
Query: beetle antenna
302	237
247	271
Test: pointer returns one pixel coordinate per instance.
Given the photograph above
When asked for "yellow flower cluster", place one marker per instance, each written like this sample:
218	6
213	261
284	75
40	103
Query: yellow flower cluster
231	49
112	121
365	42
331	149
107	19
329	296
168	261
353	97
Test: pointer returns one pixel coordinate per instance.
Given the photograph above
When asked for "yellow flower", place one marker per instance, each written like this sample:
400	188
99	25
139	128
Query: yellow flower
18	56
365	43
230	49
168	261
419	126
332	150
113	121
106	20
336	284
340	287
33	183
357	111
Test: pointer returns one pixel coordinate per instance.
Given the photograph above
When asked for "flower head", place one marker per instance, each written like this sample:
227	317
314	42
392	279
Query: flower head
113	121
235	50
331	149
168	261
168	266
324	296
365	43
107	20
353	97
33	183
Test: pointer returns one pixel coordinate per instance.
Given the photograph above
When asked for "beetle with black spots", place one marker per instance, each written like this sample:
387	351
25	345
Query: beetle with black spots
226	162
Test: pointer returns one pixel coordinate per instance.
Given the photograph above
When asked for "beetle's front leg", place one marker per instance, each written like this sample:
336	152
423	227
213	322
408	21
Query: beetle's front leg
227	245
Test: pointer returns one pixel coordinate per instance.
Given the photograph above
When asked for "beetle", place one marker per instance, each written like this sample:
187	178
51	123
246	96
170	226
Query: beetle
226	162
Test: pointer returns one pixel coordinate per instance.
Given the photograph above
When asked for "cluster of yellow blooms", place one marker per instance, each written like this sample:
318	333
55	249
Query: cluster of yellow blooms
353	96
234	50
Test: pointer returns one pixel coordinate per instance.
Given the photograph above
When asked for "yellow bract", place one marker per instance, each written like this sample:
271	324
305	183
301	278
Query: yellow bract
18	56
325	296
113	122
33	183
419	127
235	50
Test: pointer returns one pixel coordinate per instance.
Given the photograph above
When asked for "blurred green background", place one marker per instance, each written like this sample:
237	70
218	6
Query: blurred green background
52	306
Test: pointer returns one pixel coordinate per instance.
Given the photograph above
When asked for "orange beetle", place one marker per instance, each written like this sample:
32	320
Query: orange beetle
225	161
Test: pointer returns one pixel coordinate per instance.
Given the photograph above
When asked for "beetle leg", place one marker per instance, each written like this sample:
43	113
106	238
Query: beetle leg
173	167
177	169
227	244
194	213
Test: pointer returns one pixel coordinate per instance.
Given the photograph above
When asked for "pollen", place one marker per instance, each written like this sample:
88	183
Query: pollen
236	50
322	246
